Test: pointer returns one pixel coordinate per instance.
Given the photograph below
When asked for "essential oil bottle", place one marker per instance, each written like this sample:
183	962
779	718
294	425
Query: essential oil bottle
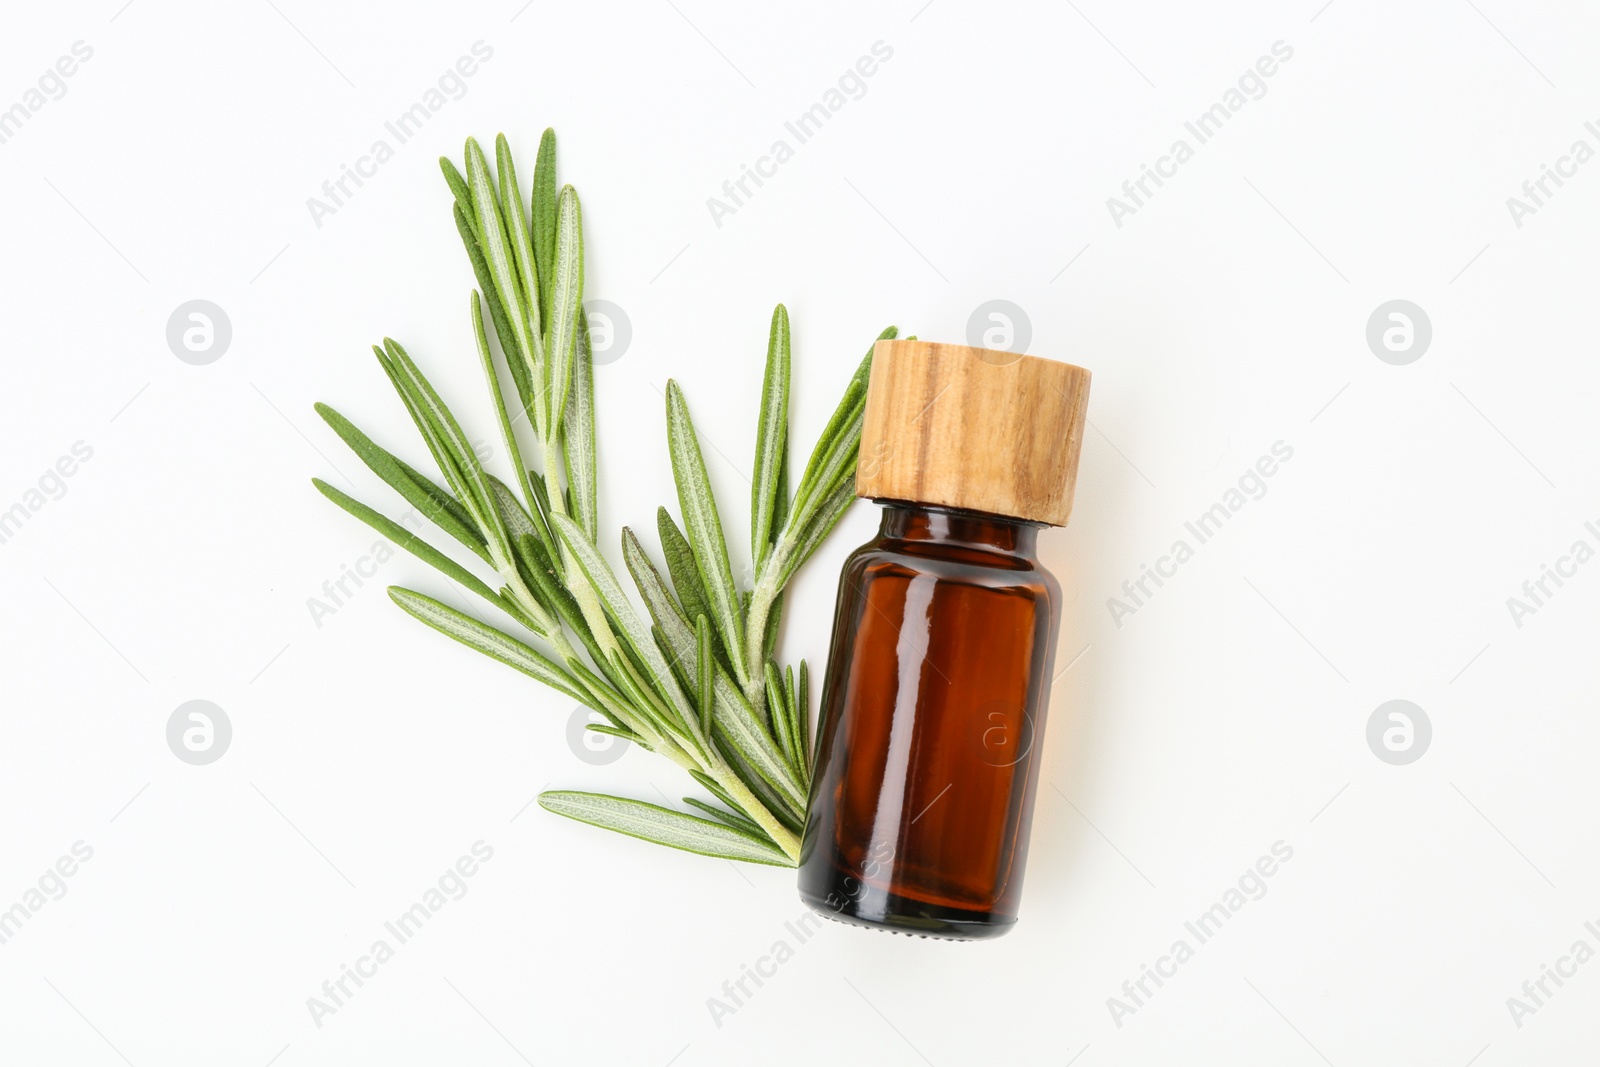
944	636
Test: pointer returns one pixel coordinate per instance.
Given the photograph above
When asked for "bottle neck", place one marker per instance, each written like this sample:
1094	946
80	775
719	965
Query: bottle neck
904	521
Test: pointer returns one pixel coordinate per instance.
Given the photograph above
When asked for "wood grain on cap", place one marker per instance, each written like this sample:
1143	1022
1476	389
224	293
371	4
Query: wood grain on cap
972	428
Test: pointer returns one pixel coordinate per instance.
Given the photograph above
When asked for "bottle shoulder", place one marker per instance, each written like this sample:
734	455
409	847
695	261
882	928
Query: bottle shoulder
959	563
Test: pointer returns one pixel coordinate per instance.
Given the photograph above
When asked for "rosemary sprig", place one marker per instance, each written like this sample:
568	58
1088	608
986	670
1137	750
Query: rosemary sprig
696	678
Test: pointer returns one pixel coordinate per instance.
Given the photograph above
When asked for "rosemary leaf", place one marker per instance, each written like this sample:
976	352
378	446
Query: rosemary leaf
507	429
497	311
779	712
802	706
731	819
509	604
543	580
566	302
577	429
704	527
441	455
617	731
486	639
771	438
780	504
790	708
788	811
516	221
739	726
438	505
627	622
497	253
480	500
463	196
685	574
827	516
717	791
769	641
650	822
407	540
843	432
541	495
544	210
706	671
640	699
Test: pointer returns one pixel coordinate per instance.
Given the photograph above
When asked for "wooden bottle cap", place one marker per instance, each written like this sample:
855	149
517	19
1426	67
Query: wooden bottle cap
972	428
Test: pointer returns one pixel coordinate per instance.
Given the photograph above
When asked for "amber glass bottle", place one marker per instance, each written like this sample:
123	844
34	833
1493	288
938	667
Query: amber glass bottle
943	640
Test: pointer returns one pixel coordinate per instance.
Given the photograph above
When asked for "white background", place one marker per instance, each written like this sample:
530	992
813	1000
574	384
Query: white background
1229	713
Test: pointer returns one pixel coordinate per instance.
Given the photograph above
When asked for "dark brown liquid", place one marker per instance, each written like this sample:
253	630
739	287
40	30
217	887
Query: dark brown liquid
931	725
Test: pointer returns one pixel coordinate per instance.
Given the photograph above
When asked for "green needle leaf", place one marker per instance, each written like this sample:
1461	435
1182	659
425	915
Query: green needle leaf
540	573
825	518
769	641
458	189
438	505
507	427
516	221
407	540
544	212
733	820
704	526
488	640
685	575
629	626
717	791
497	311
789	707
512	513
577	429
802	707
650	822
706	669
454	443
740	729
777	707
771	438
840	439
441	455
498	254
565	302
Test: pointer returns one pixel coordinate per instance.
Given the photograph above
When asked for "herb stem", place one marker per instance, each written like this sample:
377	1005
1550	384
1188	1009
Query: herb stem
781	835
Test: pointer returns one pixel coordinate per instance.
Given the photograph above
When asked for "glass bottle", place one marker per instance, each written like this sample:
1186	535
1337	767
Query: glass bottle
944	637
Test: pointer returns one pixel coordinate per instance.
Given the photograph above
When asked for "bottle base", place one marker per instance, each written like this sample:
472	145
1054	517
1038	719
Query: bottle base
914	918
